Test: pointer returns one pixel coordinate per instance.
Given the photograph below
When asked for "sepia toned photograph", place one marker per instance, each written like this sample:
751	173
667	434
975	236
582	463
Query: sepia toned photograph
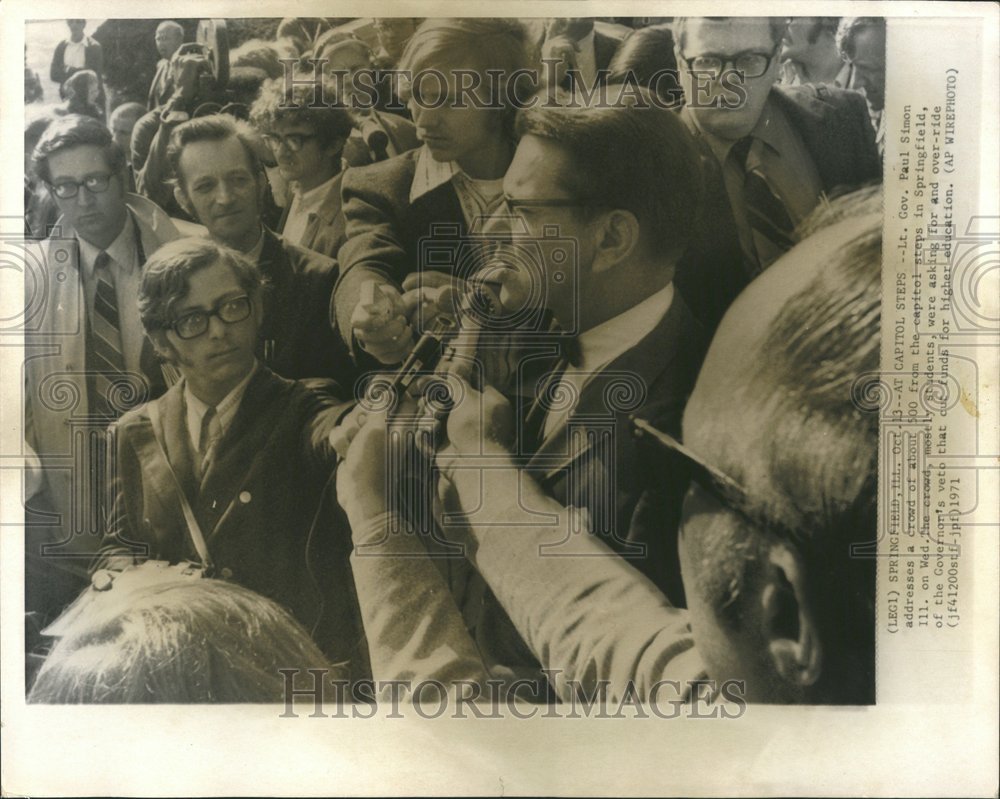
512	390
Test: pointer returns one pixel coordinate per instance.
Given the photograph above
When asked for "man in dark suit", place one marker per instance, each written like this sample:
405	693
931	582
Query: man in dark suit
779	148
307	142
221	183
220	471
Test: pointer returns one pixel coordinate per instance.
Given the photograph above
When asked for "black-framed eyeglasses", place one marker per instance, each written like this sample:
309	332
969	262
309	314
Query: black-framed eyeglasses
67	189
751	63
229	310
293	141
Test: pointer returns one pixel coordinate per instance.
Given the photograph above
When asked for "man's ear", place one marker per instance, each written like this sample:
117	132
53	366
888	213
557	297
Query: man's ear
616	235
181	196
788	618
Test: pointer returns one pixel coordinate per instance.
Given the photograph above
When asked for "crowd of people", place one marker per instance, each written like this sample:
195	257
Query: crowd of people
432	380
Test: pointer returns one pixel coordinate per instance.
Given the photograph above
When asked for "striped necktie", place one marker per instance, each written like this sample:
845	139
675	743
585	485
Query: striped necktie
770	223
105	360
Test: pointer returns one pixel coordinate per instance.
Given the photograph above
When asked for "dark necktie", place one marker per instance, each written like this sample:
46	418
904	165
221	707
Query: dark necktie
211	432
770	223
106	363
533	420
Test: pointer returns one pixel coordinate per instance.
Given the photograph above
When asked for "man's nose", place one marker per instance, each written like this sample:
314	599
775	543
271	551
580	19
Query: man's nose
223	193
216	327
85	197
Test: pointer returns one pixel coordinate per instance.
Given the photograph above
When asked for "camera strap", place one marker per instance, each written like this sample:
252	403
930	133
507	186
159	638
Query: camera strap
194	529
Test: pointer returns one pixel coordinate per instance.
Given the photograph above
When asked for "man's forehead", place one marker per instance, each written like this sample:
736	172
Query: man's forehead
869	46
540	168
208	285
81	159
214	155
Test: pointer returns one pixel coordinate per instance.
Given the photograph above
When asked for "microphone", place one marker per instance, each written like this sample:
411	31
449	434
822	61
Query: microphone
376	138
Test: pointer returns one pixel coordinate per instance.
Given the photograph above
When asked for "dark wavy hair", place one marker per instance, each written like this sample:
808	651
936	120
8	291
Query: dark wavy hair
75	130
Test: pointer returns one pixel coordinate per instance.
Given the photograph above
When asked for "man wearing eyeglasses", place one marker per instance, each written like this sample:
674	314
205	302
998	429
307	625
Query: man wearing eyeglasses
220	181
776	526
780	148
220	471
307	143
88	357
627	337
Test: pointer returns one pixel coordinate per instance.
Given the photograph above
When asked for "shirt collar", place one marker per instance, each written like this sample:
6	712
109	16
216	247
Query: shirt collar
315	195
254	252
122	250
600	345
843	79
225	410
430	174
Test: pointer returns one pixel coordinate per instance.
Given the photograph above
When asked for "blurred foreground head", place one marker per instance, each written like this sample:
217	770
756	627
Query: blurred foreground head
181	639
778	593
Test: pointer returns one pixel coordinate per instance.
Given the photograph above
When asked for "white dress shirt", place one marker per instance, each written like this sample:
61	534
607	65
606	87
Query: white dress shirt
601	345
225	410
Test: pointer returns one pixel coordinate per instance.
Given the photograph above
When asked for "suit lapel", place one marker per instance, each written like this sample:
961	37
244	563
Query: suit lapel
177	439
633	371
243	440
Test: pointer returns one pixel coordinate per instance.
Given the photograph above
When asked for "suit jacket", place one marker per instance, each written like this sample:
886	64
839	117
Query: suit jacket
387	236
605	48
63	521
296	319
833	125
263	505
596	626
162	87
325	231
597	464
93	58
56	404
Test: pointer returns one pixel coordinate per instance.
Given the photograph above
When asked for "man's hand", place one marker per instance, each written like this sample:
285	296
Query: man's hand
380	323
362	477
428	295
560	47
479	421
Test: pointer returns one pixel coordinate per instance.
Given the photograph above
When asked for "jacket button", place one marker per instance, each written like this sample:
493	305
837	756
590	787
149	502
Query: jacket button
226	573
245	497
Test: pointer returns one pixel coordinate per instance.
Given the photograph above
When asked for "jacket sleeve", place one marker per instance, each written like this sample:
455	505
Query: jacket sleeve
415	631
373	248
119	547
591	619
57	72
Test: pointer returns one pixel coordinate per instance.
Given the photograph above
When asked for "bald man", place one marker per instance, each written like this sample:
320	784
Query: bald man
169	38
